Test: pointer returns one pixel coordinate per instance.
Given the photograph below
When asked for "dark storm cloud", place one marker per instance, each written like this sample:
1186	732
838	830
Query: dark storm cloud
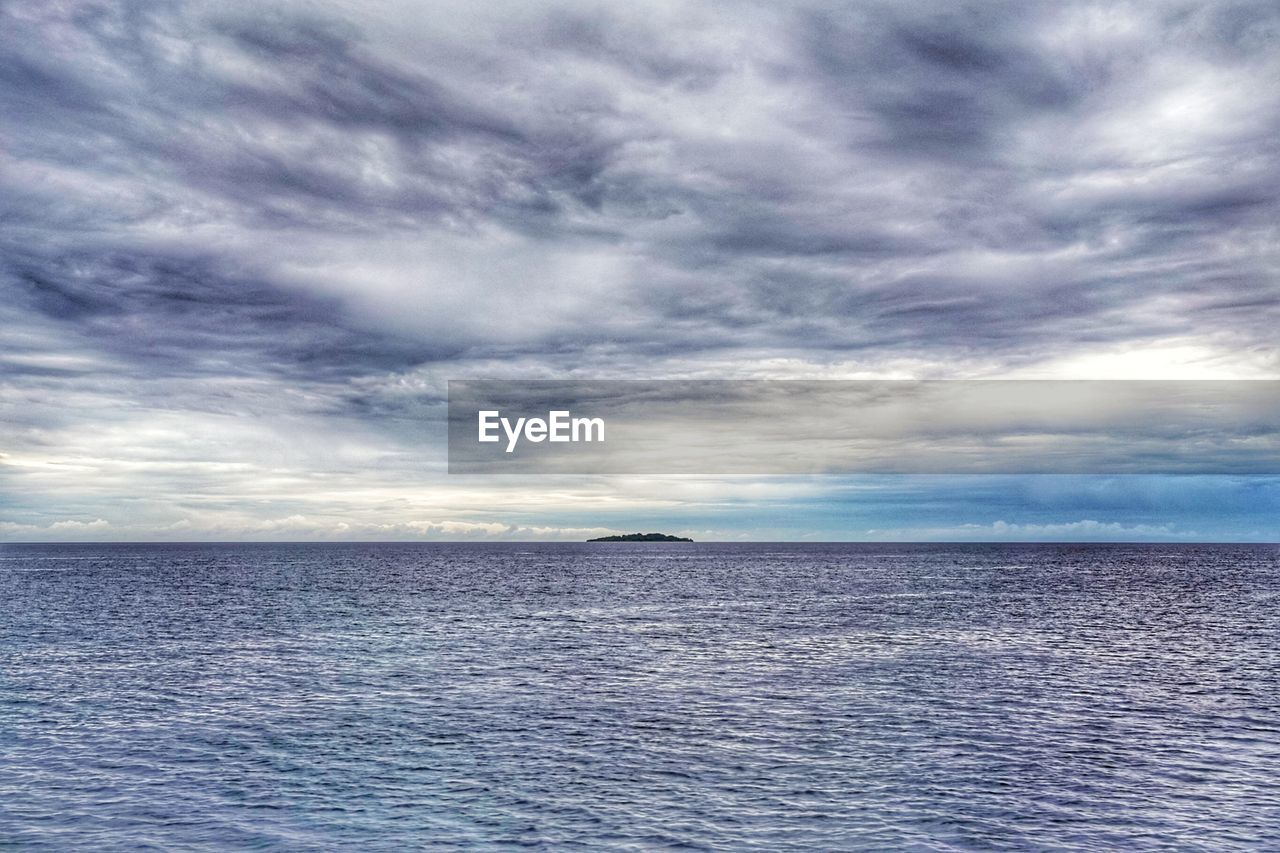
187	315
277	134
943	82
910	139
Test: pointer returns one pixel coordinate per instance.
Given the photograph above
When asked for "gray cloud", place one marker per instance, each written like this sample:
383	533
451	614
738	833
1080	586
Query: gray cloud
875	175
319	213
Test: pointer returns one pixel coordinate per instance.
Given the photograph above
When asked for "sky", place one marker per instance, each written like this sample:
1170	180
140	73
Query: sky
244	246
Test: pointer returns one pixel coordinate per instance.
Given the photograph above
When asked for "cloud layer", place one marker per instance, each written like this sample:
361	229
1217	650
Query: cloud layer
241	249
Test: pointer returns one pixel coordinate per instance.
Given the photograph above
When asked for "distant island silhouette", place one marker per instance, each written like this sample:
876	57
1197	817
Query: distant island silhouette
642	537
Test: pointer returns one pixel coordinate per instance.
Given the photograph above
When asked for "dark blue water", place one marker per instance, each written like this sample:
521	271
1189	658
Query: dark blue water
636	696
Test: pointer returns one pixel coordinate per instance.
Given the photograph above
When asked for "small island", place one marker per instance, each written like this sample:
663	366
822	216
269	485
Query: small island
642	537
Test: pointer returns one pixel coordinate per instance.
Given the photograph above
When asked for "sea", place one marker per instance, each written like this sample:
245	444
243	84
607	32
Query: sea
620	696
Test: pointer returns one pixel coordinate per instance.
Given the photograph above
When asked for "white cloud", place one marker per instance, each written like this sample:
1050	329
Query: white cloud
76	525
1002	531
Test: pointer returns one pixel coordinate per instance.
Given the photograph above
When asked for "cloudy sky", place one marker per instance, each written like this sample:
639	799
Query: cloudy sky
243	247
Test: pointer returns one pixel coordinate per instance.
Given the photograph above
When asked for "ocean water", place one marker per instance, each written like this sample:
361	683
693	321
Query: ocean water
619	696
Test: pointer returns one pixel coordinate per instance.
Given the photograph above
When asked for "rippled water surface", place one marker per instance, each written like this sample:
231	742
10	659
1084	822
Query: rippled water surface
614	696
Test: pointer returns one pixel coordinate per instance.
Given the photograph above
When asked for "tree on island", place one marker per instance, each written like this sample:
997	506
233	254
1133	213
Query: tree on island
642	537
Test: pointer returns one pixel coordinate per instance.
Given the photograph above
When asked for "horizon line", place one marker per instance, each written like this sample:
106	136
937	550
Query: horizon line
587	542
